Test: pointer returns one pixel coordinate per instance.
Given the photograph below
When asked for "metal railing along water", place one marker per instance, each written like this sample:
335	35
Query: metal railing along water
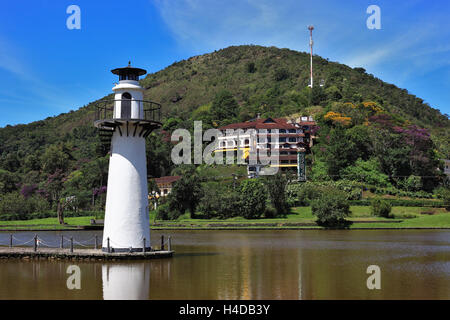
93	243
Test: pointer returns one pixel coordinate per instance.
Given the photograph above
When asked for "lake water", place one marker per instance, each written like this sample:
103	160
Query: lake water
288	264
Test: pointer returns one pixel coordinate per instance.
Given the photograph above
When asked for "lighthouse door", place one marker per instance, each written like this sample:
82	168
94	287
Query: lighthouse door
126	106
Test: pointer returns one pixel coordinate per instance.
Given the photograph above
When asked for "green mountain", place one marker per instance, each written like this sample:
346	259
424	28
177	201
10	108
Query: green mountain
260	80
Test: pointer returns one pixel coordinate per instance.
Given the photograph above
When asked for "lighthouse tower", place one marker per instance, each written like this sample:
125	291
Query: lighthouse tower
124	124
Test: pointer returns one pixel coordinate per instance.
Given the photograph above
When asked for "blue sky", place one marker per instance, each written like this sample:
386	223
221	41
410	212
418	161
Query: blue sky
47	69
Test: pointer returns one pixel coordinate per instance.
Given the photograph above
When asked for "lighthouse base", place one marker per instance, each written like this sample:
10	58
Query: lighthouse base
147	249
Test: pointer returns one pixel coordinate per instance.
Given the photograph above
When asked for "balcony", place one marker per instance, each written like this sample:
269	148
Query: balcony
134	114
145	110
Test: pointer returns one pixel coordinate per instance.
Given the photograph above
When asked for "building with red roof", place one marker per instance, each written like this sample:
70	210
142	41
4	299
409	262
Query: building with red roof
262	136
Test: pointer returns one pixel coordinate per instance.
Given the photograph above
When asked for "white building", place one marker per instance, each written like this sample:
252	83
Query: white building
263	136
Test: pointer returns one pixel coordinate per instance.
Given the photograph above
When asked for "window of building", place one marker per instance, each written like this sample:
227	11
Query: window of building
292	139
292	130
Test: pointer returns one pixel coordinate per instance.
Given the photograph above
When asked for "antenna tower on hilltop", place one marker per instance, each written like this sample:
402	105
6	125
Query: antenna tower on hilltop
311	28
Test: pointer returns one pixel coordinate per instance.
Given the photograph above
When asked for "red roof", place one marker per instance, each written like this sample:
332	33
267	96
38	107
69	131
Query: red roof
268	123
306	123
167	179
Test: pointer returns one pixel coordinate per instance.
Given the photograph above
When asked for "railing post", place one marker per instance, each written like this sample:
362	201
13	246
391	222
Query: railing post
109	247
35	243
71	244
162	242
62	242
169	244
143	247
11	240
96	241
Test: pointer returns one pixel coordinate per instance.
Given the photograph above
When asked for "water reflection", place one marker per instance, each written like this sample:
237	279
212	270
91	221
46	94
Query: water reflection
126	281
253	265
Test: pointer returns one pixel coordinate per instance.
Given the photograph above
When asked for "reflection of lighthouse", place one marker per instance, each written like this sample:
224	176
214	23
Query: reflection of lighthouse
126	281
128	120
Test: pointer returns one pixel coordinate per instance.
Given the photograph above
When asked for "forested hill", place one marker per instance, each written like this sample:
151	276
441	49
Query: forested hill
265	80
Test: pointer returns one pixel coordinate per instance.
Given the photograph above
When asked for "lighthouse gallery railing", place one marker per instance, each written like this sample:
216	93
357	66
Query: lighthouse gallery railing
147	110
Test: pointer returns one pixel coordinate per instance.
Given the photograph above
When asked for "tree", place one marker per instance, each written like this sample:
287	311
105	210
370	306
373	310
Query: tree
55	158
276	188
186	193
55	187
8	181
331	210
219	201
339	152
55	163
253	198
368	172
251	68
224	106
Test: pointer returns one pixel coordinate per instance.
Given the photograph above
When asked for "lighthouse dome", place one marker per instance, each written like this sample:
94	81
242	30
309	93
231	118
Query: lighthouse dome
128	93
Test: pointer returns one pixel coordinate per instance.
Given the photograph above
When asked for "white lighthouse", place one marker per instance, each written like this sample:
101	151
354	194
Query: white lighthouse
125	122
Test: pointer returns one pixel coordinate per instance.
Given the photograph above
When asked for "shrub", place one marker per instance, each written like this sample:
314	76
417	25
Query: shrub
402	203
162	212
331	209
270	212
220	205
446	198
368	172
301	194
14	206
381	208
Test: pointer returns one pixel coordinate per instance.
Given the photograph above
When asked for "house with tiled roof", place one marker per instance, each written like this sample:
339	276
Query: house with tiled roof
165	184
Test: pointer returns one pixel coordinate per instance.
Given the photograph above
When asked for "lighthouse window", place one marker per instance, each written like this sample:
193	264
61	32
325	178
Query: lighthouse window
126	106
128	77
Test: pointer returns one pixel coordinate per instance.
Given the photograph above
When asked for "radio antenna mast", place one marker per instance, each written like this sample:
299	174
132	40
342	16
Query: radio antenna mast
311	28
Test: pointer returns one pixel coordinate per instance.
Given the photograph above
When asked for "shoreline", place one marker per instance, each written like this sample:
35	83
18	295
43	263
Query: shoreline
277	228
79	254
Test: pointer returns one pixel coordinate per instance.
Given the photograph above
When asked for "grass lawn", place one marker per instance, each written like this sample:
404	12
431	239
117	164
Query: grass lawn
45	223
411	218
